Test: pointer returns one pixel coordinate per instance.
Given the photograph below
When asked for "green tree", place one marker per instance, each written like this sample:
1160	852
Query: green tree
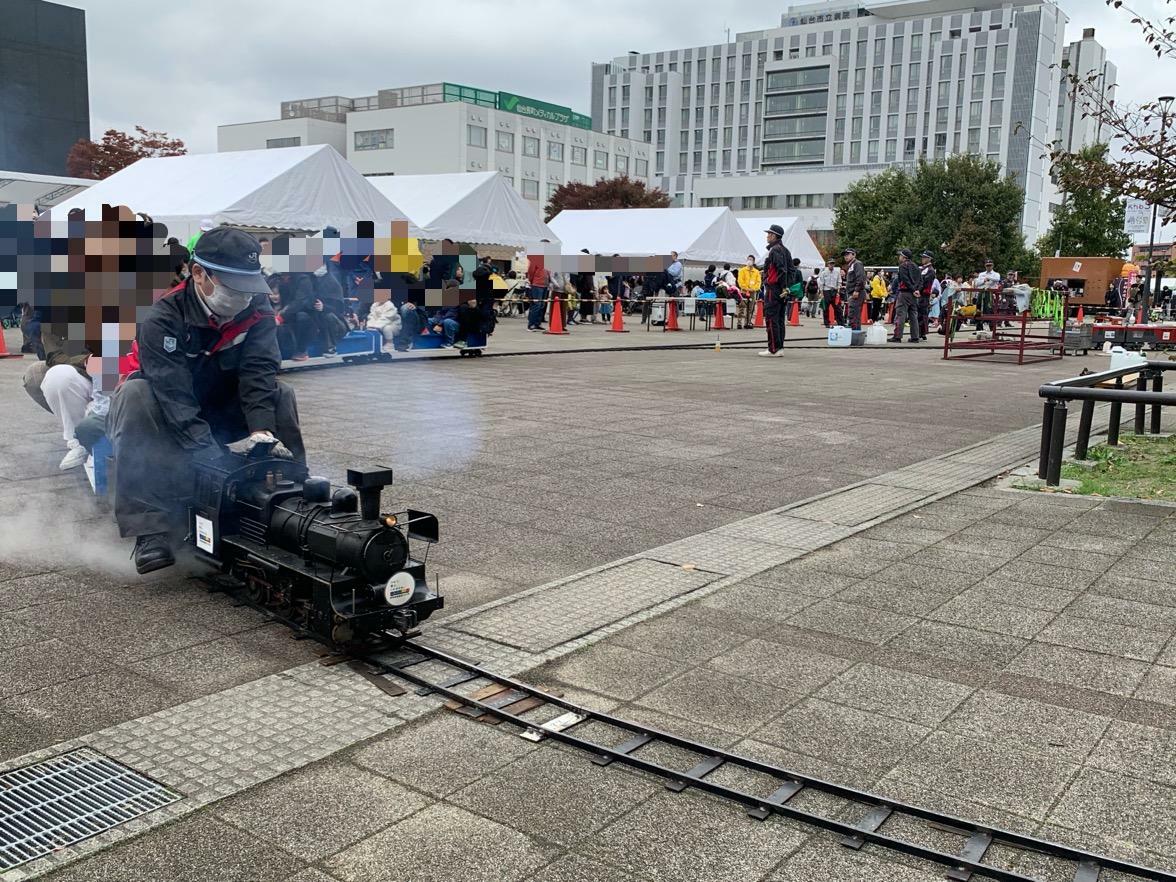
622	192
1090	222
962	209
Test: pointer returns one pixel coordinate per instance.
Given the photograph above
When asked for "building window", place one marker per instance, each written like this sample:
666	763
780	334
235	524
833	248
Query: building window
551	188
994	139
530	146
271	143
530	189
504	142
891	149
555	151
476	136
374	139
641	168
600	159
579	156
622	164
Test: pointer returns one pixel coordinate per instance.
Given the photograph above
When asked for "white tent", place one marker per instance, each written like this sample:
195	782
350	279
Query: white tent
290	188
476	207
699	235
796	238
23	188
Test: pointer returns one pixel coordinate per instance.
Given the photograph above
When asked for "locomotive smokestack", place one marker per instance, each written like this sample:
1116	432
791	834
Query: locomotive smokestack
368	483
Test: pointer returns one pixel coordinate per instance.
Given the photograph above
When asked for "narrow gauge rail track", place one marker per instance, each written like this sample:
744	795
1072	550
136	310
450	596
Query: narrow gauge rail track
505	699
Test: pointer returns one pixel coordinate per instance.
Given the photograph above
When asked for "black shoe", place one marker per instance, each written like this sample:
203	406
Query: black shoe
153	552
893	339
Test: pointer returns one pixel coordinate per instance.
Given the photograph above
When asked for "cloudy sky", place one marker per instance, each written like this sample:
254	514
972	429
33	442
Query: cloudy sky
186	68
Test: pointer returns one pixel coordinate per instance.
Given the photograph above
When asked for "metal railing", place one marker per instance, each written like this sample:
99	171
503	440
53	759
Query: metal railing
1148	391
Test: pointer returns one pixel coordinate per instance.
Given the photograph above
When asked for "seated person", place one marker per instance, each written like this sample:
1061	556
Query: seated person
444	323
307	298
209	356
61	386
30	331
383	316
287	343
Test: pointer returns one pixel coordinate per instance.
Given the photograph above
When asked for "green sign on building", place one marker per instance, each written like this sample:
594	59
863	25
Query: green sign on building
542	110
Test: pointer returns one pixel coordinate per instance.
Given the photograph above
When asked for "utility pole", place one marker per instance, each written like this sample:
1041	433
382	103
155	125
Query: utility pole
1165	103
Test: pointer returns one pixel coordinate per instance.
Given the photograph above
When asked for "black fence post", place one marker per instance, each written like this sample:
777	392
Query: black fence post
1116	417
1140	409
1057	444
1046	428
1084	429
1157	386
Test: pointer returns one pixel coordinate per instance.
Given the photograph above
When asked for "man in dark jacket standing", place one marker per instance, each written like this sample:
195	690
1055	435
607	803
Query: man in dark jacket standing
484	293
855	287
209	361
926	281
907	309
777	274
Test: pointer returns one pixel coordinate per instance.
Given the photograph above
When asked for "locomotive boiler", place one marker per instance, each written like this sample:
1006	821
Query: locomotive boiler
326	560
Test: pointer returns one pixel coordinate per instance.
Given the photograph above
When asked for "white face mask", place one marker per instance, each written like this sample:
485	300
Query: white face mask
225	302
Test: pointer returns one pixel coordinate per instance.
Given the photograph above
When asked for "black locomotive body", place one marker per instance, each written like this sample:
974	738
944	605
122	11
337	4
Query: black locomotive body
325	560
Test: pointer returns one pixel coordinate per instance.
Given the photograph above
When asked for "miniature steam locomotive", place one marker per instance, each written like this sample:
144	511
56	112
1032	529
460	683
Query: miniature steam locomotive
326	561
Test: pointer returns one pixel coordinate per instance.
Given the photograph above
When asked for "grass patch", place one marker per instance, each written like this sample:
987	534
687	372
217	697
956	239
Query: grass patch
1140	467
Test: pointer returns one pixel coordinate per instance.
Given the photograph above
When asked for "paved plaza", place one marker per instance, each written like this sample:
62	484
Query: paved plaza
806	560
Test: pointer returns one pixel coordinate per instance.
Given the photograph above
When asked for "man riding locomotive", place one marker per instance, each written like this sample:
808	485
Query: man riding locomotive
208	380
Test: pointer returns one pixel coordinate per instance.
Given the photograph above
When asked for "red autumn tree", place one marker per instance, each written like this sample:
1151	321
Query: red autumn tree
117	150
622	192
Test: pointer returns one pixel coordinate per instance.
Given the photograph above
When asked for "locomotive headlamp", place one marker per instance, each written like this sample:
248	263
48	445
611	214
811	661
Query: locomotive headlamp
390	520
399	588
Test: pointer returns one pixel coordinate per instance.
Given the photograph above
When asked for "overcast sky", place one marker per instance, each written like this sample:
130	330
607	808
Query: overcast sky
185	68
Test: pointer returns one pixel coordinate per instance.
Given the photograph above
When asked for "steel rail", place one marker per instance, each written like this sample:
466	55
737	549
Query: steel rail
970	861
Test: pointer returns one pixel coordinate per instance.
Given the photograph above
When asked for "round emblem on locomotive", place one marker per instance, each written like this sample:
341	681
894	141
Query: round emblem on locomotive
399	589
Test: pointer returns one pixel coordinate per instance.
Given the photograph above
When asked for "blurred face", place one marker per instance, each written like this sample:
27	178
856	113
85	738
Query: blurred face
750	260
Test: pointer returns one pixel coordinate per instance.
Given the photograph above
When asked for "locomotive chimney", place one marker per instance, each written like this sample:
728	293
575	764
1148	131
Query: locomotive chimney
368	483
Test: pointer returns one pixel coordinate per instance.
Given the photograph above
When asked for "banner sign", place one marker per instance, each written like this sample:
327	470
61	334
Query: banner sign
542	110
1136	216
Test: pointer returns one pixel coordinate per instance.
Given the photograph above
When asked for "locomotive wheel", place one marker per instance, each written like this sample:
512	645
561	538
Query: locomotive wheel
341	634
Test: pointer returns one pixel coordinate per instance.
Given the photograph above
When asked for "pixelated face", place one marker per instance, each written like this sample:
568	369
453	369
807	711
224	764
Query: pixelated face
90	281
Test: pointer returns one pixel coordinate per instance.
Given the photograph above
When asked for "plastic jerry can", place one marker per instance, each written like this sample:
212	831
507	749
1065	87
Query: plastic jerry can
876	334
840	336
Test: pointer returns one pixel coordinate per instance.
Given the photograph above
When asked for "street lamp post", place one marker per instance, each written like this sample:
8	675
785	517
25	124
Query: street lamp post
1145	300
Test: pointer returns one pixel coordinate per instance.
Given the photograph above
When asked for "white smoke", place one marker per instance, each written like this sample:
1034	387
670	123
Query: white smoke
64	530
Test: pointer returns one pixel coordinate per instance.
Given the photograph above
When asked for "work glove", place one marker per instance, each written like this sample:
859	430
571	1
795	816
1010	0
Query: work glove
245	446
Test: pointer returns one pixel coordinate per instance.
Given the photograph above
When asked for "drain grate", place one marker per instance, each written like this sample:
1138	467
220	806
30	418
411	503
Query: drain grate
69	798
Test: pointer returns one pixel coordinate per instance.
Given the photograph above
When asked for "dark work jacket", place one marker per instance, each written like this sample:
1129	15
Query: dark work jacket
196	369
909	277
777	268
926	280
855	279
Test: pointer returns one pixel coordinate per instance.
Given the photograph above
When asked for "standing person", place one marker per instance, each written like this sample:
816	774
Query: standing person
540	280
673	275
777	270
927	282
987	284
855	287
909	281
585	294
484	292
877	296
830	282
750	281
812	293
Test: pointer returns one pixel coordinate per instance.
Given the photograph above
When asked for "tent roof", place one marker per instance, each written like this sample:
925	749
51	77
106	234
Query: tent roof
24	188
289	188
701	235
475	207
796	238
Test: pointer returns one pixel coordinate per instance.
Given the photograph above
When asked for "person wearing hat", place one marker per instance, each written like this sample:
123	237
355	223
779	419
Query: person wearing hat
855	287
907	308
987	284
777	274
830	284
208	351
927	280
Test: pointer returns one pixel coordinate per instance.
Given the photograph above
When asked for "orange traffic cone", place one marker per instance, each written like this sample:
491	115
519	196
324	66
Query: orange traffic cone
618	321
557	325
4	353
720	304
832	316
794	316
1081	314
759	315
671	316
890	314
866	315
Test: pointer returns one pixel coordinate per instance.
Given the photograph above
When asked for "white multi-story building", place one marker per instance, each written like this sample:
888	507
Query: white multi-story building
444	127
843	88
1085	60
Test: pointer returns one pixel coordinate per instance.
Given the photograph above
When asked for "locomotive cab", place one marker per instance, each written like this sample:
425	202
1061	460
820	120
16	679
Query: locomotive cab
327	560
